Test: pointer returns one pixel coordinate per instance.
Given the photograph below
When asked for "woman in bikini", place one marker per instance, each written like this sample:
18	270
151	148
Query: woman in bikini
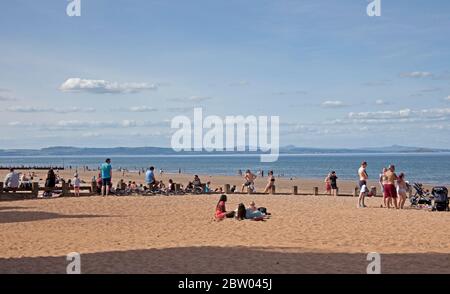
270	182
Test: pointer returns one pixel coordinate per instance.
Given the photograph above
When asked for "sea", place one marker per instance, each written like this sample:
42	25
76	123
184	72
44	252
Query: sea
419	167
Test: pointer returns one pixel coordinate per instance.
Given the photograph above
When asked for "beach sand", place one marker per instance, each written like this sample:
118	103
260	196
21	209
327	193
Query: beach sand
177	234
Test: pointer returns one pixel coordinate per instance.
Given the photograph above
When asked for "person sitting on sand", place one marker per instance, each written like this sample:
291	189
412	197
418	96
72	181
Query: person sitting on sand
253	213
76	184
249	180
189	188
171	187
221	212
196	182
402	189
150	178
207	187
270	182
12	179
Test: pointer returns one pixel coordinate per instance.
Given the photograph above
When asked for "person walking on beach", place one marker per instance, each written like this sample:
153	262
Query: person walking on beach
333	183
12	179
390	191
402	188
363	176
249	180
106	172
270	182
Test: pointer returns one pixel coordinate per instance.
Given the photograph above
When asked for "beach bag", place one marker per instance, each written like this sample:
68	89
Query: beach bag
263	210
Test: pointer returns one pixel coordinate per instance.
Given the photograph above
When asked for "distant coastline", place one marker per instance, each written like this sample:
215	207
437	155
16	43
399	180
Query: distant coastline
155	151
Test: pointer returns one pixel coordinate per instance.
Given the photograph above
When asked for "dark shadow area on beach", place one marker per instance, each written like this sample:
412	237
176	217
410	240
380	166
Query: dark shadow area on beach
14	208
230	260
8	217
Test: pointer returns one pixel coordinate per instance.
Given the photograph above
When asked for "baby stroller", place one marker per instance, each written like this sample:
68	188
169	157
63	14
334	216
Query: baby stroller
421	197
440	202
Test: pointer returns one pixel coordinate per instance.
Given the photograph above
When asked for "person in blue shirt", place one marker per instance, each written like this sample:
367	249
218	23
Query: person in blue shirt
150	178
106	172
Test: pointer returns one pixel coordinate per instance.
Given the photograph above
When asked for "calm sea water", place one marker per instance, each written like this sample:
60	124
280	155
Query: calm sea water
427	168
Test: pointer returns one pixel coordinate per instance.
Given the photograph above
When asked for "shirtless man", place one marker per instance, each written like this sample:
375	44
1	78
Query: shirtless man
390	191
249	179
362	182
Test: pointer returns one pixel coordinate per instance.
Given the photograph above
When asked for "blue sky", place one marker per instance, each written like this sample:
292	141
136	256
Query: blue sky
335	76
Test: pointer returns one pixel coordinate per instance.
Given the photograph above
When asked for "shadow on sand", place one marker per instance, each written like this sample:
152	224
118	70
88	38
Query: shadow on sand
7	217
229	260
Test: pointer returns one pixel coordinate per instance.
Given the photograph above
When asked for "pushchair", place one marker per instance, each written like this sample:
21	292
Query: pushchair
440	199
421	196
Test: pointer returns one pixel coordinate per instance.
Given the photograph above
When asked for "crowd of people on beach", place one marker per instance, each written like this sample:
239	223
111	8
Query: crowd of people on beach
394	187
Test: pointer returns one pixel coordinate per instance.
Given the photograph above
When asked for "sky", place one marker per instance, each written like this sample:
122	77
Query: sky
119	73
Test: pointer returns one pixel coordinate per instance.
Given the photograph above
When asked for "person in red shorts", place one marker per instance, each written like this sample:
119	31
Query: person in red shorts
390	191
221	212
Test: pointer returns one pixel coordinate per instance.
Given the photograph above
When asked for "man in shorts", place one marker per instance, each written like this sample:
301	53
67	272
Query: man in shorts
249	180
363	176
390	191
106	172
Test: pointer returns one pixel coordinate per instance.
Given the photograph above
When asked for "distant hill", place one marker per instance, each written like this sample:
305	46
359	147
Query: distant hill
75	151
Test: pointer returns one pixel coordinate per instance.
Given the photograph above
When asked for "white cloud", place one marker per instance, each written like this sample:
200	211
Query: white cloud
416	74
81	124
381	102
104	87
142	108
400	116
31	109
447	98
333	104
194	99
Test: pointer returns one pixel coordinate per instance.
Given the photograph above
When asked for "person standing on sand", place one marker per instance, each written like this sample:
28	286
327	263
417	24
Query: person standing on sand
249	180
270	182
402	188
76	185
390	191
106	172
382	181
333	183
327	185
363	176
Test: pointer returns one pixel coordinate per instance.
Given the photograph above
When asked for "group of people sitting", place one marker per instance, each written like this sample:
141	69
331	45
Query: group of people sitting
241	213
14	180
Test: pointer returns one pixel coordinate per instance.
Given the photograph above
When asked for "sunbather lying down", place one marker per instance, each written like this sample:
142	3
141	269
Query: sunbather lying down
256	214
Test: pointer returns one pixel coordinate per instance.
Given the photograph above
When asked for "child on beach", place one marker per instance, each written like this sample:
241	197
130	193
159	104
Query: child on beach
76	185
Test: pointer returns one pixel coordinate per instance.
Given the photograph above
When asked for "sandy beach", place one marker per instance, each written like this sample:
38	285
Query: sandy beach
178	234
